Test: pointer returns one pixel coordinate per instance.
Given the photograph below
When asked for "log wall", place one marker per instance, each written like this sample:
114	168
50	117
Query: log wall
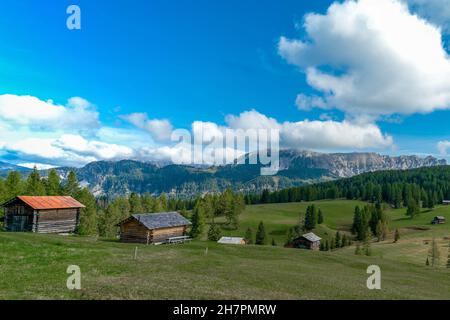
56	221
133	231
21	218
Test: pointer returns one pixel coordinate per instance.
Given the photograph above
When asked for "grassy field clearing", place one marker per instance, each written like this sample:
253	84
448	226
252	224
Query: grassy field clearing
34	266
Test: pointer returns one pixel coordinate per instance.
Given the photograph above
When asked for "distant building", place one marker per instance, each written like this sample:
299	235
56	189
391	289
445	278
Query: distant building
446	202
232	240
308	241
42	214
152	228
438	220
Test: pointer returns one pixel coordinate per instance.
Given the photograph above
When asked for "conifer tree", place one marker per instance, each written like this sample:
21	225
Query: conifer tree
273	242
53	186
198	221
214	232
320	217
261	238
72	187
413	209
88	215
14	185
34	184
135	203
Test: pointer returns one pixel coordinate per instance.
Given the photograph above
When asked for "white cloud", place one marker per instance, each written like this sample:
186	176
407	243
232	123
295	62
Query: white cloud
443	147
160	129
436	11
45	115
316	134
97	149
372	58
38	166
67	150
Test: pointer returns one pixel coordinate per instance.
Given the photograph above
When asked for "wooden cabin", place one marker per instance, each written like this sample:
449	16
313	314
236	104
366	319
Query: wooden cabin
308	241
54	214
153	228
438	220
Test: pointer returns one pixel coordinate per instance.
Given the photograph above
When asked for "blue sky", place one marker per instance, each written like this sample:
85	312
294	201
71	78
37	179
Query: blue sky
178	62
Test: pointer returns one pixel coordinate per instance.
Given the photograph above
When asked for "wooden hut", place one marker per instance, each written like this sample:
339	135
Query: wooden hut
438	220
153	228
308	241
232	240
42	214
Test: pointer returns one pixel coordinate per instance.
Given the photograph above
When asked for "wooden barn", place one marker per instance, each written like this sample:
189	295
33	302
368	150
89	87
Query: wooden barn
42	214
308	241
153	228
438	220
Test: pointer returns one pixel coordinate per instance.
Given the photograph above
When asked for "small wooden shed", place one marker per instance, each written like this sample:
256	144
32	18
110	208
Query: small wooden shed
438	220
153	228
56	214
232	240
308	241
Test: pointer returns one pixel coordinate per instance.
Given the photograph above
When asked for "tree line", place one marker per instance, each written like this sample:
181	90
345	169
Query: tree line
101	215
423	187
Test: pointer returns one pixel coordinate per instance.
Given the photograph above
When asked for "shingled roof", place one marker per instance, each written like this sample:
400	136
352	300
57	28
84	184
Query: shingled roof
311	237
161	220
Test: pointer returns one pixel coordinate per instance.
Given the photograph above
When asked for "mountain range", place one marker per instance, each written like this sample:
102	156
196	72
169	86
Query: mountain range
113	178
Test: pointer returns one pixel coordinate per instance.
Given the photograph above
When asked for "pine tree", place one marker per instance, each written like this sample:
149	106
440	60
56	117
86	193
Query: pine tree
249	236
109	220
427	263
198	221
34	184
413	209
14	185
396	235
320	217
88	215
261	235
332	243
357	219
273	242
310	218
53	183
72	187
214	232
135	203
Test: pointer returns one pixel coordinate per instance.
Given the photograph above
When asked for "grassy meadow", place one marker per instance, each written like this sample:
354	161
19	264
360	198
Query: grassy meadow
34	266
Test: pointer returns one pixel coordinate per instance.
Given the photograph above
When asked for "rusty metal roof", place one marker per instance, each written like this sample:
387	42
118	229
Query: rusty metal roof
53	202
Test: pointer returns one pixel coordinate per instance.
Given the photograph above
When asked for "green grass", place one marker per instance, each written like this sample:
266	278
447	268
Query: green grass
34	266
